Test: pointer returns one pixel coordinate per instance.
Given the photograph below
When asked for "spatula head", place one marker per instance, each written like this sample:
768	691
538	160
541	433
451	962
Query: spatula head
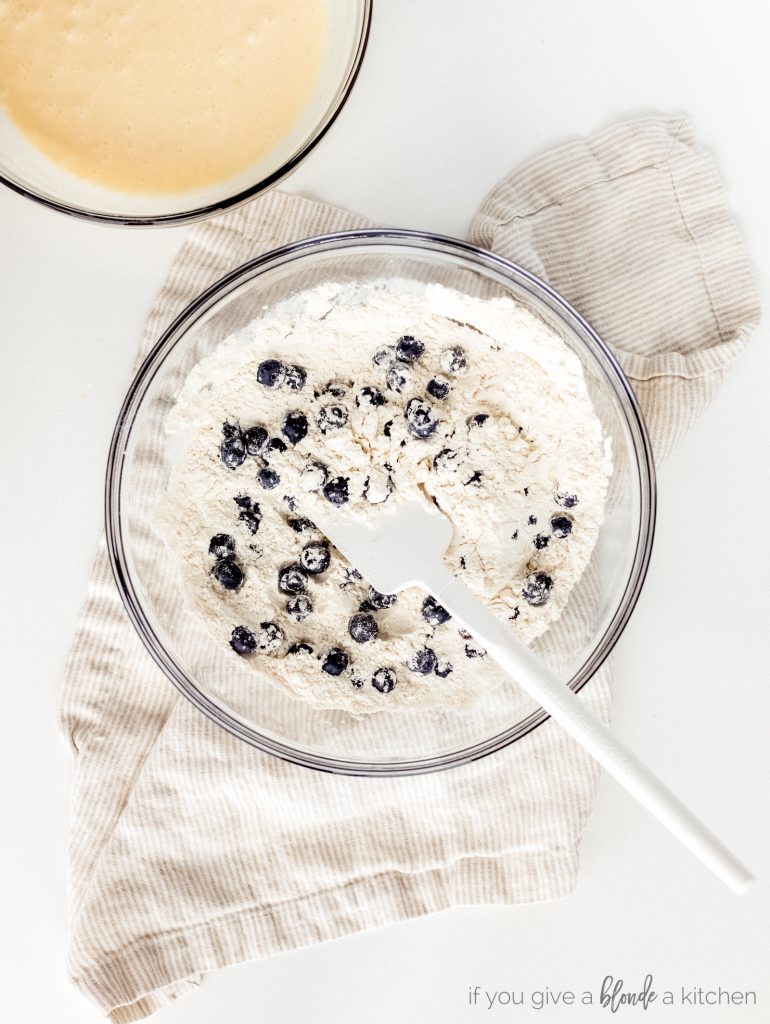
394	546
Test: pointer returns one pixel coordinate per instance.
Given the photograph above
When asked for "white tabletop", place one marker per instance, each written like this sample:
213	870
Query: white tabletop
452	95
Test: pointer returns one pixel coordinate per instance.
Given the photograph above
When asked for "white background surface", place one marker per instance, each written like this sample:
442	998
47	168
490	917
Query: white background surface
451	96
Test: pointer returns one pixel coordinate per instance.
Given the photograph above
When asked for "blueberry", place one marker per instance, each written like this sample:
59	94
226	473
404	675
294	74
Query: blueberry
561	526
565	500
294	426
299	607
377	488
300	648
292	579
477	421
537	588
275	446
408	348
433	612
442	462
315	557
232	451
423	661
363	628
366	606
255	440
231	430
399	377
300	524
221	545
379	601
384	680
271	373
443	668
296	377
268	479
370	396
250	514
313	477
251	518
335	388
541	541
420	418
243	641
335	662
438	388
474	651
332	417
270	637
336	490
384	356
228	573
453	360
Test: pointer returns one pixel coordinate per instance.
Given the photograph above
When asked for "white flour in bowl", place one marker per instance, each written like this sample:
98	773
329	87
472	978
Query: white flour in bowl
360	395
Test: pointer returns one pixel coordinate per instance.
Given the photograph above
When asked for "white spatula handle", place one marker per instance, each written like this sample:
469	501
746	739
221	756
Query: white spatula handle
593	735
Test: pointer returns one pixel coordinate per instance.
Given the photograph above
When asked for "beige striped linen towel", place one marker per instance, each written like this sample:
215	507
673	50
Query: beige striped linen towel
190	850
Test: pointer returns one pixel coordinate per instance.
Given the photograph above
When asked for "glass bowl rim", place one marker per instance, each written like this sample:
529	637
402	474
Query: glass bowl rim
418	241
237	198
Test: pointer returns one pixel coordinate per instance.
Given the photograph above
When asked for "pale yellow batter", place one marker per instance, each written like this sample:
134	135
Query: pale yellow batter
158	96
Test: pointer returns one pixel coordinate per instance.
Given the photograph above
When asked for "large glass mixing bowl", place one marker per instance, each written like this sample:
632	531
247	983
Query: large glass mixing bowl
217	683
26	170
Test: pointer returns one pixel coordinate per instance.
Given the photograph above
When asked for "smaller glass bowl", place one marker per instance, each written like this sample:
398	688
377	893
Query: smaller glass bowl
249	707
29	172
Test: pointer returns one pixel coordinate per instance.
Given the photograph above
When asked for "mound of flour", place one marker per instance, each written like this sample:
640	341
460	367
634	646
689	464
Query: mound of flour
362	395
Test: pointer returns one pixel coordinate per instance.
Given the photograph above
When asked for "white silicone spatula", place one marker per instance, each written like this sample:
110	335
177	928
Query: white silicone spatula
404	546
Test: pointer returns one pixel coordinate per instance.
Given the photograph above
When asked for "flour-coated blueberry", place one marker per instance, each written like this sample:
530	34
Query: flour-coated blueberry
270	637
336	490
296	376
335	662
243	641
363	628
421	418
537	588
379	601
228	573
268	478
438	388
453	360
422	661
433	612
294	426
409	348
315	557
299	607
271	373
561	526
221	545
384	680
232	451
292	579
